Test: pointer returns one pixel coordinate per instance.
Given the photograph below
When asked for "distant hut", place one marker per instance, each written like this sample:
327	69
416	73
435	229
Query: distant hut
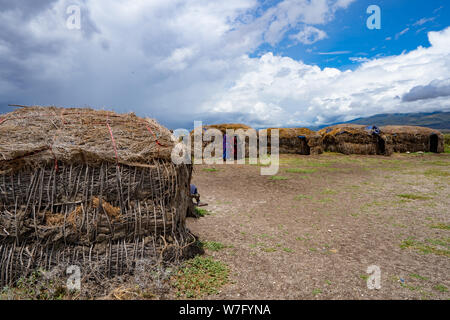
231	144
297	141
356	139
89	188
414	139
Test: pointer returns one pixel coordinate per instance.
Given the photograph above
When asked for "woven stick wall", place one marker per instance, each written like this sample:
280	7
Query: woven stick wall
90	188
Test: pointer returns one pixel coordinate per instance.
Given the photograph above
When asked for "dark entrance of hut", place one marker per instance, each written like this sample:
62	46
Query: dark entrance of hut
304	146
381	145
434	143
235	148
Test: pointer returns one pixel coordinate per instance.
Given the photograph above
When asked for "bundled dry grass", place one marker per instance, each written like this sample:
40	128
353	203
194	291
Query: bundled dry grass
358	139
35	135
414	139
92	188
224	126
223	129
298	140
355	139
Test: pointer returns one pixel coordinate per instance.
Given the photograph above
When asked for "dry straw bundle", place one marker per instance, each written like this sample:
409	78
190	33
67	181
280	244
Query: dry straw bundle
91	188
297	140
241	139
414	139
355	139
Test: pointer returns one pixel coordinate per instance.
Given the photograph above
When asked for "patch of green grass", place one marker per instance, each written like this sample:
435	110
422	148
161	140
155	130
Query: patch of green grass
441	226
447	148
329	191
269	249
439	242
447	143
319	163
440	288
299	170
302	196
258	244
315	292
210	169
417	276
200	276
364	276
410	196
288	250
424	247
277	178
213	245
410	287
439	163
201	212
437	173
325	200
36	287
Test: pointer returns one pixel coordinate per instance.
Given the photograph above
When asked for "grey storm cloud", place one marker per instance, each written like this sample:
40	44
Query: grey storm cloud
435	89
180	61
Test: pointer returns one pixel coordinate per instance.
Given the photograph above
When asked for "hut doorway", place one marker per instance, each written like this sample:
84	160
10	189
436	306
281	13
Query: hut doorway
381	145
434	143
235	148
304	146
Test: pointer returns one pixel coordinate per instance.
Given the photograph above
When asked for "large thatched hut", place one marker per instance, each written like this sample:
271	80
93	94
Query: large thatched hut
356	139
89	188
297	140
414	139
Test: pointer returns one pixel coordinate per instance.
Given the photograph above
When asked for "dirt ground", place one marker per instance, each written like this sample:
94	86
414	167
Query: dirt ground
312	231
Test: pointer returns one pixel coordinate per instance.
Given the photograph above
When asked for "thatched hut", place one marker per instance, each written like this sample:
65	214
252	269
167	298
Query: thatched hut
233	142
89	188
297	140
414	139
356	139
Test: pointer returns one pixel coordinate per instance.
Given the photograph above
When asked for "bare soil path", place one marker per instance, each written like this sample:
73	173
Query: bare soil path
312	231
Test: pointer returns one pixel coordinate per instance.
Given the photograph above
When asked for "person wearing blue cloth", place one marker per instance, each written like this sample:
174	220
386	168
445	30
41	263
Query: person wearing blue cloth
194	194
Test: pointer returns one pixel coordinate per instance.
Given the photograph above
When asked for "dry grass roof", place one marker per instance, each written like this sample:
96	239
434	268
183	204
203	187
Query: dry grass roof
409	130
350	128
224	126
292	132
35	135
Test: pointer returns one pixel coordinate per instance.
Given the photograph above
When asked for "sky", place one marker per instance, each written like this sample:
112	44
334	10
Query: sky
285	63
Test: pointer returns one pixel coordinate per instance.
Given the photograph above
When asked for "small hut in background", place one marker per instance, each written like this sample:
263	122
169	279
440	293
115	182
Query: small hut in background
89	188
414	139
356	139
231	144
297	141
